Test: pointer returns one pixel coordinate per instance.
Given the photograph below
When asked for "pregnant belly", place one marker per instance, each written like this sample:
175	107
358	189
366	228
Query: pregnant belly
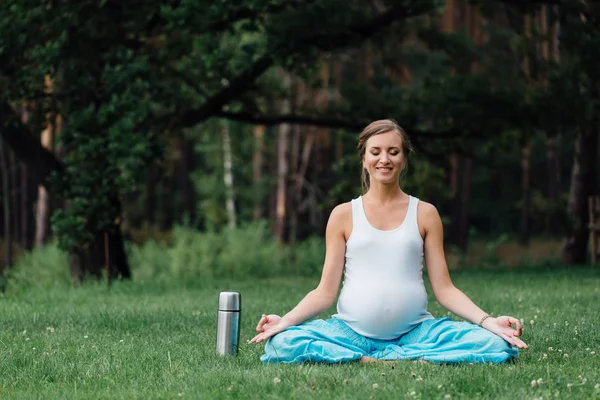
383	312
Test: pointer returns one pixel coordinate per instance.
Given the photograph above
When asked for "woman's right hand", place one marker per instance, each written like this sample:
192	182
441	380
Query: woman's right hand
269	325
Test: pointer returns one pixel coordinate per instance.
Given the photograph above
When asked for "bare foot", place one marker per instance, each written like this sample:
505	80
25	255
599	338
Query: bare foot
367	359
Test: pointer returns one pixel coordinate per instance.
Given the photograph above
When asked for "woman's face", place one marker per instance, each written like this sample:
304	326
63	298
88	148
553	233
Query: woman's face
383	157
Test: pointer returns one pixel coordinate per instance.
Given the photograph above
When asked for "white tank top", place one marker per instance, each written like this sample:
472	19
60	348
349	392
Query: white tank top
383	295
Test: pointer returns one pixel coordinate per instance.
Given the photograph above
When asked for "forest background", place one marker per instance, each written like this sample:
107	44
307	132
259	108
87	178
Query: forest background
175	139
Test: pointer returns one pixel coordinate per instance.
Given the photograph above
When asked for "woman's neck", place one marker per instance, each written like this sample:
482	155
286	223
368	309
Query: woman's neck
384	194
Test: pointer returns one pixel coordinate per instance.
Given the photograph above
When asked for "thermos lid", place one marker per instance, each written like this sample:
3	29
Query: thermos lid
230	301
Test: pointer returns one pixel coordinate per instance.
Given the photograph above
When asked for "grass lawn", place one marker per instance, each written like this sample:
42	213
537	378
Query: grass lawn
157	340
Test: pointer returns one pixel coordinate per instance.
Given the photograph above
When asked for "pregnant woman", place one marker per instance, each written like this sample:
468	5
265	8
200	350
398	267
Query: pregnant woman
377	243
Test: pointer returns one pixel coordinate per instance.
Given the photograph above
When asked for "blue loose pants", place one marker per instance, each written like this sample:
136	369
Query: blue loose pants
436	340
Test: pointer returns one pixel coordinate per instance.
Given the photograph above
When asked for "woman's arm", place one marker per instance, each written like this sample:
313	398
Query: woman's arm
323	296
444	290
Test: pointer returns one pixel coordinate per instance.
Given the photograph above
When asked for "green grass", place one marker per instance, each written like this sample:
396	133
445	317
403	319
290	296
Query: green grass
157	340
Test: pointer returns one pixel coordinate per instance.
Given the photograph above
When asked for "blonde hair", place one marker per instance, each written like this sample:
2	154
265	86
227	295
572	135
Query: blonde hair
376	128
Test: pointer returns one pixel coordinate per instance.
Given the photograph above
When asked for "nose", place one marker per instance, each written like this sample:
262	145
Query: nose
384	158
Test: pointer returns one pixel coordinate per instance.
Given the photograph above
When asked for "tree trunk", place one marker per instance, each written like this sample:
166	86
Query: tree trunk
25	208
323	148
525	194
187	186
283	138
150	200
283	144
552	169
466	205
15	192
337	80
583	185
257	166
166	188
526	148
293	192
42	215
550	51
6	206
448	27
228	175
455	201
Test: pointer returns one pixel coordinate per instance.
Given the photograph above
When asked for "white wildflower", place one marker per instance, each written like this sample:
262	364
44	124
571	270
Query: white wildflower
276	380
375	386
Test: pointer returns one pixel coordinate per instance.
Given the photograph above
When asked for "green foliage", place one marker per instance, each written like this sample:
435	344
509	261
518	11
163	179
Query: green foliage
426	181
124	75
248	251
45	267
309	256
489	257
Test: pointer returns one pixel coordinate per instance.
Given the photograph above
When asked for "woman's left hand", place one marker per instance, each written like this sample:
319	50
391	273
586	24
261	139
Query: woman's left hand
503	327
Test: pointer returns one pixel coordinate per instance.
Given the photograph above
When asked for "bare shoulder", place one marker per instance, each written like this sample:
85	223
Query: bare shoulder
341	214
340	219
342	211
427	210
428	217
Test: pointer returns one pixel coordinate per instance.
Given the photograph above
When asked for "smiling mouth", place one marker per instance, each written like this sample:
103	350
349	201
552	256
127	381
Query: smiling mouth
384	168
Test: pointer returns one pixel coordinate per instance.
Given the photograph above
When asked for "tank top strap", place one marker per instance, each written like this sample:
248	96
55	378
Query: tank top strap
359	219
411	213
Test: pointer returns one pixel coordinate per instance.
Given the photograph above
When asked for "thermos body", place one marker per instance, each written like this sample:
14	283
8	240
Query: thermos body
228	323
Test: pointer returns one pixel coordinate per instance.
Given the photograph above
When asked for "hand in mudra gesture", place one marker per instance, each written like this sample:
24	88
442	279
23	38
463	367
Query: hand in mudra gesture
503	327
269	325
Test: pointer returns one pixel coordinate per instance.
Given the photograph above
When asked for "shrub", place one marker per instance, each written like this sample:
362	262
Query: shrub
44	266
248	251
149	261
251	251
309	256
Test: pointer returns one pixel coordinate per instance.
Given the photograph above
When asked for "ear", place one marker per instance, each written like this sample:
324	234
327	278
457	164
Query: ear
363	162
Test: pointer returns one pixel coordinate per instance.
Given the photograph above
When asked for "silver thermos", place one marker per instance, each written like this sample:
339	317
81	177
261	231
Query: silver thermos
228	323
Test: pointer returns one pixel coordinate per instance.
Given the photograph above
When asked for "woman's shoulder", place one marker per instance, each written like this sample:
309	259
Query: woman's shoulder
426	207
341	211
427	212
340	220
